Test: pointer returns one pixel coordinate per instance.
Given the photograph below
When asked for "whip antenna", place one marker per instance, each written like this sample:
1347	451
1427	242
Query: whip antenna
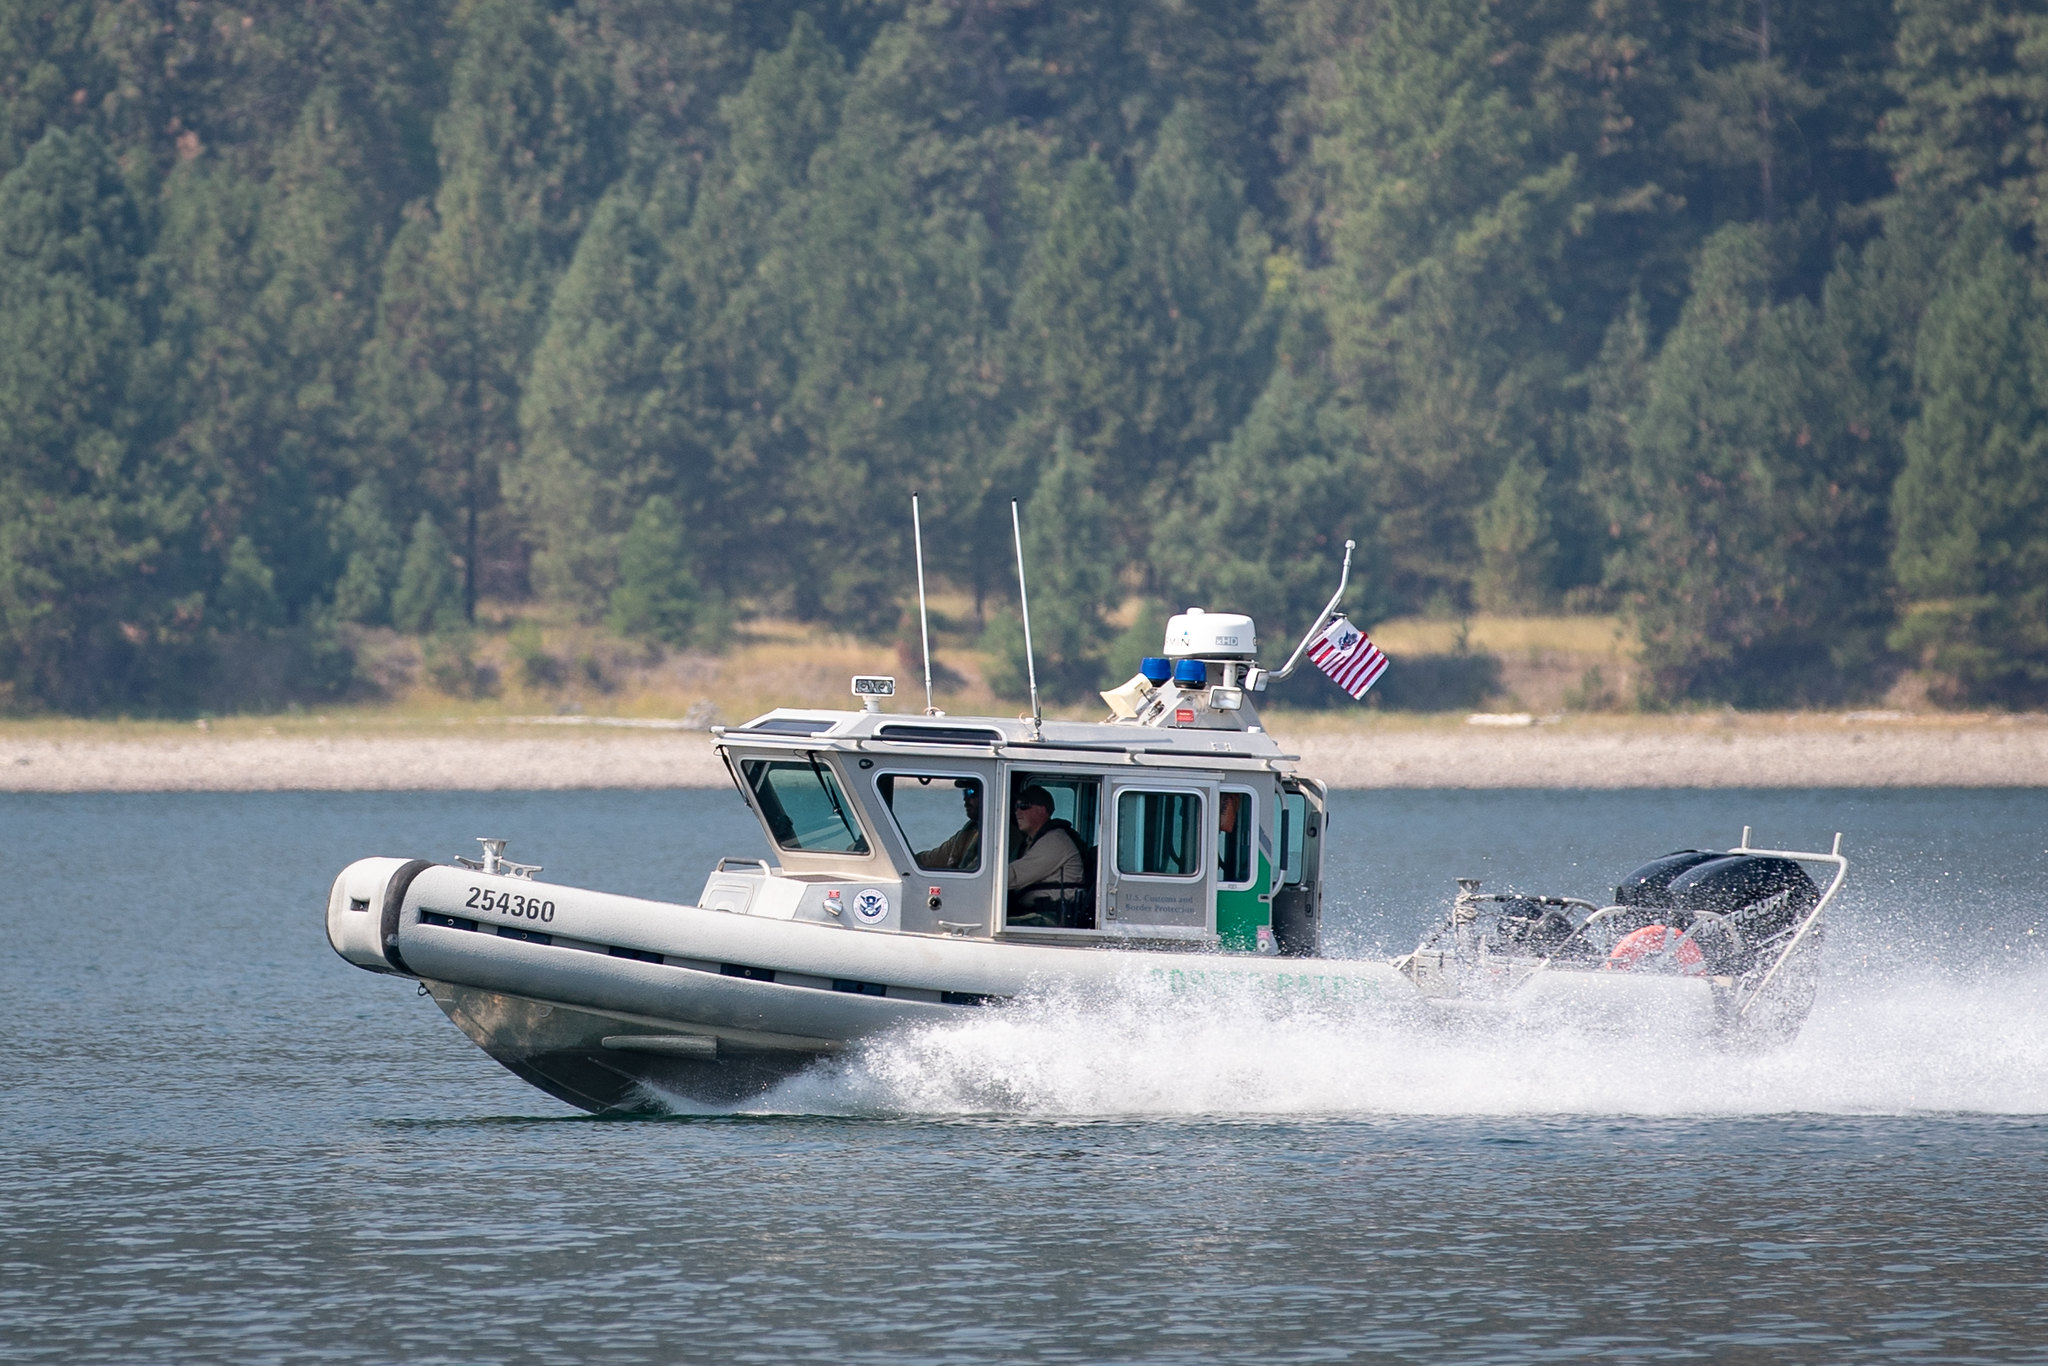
924	621
1024	601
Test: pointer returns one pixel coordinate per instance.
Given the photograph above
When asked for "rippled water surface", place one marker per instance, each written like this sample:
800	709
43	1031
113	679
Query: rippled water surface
221	1142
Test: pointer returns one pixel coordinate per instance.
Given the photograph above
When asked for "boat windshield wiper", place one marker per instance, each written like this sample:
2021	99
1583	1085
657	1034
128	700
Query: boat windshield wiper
824	778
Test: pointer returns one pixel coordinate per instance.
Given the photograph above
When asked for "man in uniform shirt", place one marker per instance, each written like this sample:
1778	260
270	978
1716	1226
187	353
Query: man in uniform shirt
962	849
1047	870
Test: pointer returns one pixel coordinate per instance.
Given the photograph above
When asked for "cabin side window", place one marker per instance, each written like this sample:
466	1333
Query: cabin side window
1159	834
939	816
802	803
1236	838
1293	832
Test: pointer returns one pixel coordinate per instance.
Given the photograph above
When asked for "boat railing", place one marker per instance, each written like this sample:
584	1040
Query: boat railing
1599	915
1806	926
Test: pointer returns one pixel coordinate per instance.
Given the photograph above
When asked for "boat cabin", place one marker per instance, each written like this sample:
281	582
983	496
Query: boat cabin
1178	823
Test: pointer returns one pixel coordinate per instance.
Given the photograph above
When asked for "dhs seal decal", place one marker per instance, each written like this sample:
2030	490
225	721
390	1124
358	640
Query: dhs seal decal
870	906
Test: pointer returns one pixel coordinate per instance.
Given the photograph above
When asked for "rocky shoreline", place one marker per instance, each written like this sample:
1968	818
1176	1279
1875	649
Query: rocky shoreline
1579	753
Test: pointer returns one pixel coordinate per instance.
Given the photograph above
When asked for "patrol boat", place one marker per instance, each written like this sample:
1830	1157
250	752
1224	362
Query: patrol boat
887	902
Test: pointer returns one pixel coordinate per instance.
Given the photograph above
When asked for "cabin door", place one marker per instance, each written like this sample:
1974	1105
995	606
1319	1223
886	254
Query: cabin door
1298	897
935	814
1245	863
1159	862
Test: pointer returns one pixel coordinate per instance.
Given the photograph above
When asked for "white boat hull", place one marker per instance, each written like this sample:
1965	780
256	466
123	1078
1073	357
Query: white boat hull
611	1001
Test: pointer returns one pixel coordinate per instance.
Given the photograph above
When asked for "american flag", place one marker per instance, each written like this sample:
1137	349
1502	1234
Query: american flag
1349	657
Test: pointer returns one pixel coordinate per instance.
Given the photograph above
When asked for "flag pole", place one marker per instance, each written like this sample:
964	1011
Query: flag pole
1024	602
924	621
1343	581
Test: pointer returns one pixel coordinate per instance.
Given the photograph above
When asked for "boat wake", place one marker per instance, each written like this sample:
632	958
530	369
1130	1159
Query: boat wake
1890	1045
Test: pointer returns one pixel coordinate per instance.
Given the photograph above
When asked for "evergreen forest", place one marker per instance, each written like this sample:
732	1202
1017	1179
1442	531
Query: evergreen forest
1725	316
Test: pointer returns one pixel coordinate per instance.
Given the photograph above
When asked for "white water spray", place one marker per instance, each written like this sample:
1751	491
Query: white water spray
1893	1046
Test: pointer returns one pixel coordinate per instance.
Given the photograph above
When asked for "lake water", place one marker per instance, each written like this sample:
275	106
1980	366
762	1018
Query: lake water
223	1143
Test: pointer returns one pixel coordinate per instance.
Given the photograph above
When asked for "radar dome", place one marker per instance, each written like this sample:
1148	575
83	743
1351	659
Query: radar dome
1195	634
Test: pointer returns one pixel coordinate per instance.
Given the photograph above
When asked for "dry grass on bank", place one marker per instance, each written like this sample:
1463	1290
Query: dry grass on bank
1545	664
538	665
523	664
526	661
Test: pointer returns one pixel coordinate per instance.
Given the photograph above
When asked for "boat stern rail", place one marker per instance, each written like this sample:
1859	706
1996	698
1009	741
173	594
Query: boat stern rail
1808	926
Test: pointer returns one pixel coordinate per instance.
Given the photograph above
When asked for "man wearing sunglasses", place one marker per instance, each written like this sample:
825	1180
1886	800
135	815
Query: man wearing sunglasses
1047	876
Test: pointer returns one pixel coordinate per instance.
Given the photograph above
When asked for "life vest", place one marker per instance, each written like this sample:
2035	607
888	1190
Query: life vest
1648	946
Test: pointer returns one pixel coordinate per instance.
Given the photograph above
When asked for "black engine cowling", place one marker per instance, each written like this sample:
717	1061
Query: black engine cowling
1765	897
1650	885
1762	897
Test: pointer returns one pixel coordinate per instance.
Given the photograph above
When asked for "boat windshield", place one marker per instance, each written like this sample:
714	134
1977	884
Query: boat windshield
804	808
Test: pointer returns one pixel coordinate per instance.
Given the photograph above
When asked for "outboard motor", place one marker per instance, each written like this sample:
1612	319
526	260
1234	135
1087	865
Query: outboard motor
1757	897
1765	897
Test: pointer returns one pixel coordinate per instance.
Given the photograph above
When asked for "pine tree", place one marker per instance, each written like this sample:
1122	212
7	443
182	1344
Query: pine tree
267	293
1200	291
1602	436
658	597
526	146
1741	115
246	597
1077	342
1483	190
671	64
735	259
328	213
229	407
1446	216
1516	546
100	575
1971	78
47	63
894	325
367	545
427	597
611	408
1971	505
222	79
1751	509
929	109
1283	273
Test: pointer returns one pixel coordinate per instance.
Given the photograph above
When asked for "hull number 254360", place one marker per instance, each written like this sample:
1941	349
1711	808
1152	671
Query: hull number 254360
510	903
